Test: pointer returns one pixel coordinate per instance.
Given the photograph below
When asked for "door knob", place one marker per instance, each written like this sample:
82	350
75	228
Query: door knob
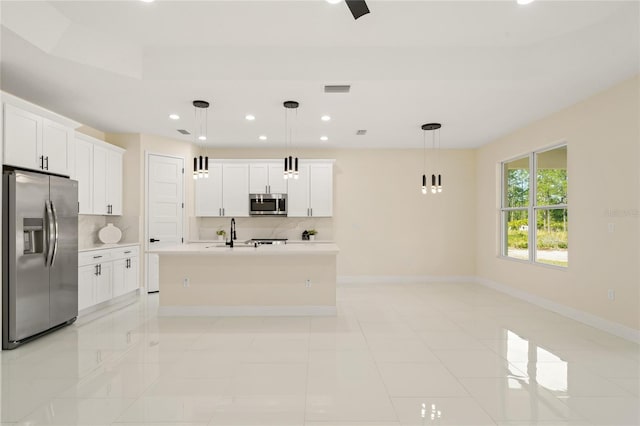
153	240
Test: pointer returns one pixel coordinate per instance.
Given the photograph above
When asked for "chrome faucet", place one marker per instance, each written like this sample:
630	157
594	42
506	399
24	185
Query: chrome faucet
232	233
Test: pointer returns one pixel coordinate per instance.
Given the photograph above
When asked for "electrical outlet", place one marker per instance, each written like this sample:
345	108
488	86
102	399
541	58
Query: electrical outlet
611	294
611	227
307	283
185	282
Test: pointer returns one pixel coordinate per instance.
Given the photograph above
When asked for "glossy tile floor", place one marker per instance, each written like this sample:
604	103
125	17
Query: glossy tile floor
441	354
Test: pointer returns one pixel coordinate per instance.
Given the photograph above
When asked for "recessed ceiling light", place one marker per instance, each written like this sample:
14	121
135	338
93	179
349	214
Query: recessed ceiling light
262	137
325	118
525	1
250	117
324	138
174	116
202	138
333	1
147	1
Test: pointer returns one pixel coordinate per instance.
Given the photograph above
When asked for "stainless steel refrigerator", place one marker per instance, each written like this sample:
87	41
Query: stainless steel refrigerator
40	255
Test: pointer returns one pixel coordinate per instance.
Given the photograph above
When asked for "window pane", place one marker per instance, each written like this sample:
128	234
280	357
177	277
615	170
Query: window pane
552	245
516	227
551	177
516	175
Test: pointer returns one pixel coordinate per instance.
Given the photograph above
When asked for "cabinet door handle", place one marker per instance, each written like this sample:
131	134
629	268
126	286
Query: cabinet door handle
46	159
100	269
42	162
311	210
96	273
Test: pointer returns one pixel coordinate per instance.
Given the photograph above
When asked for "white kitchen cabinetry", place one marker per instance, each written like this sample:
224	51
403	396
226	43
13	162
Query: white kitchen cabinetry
98	170
84	175
225	192
35	142
125	275
312	193
267	178
235	190
209	192
104	274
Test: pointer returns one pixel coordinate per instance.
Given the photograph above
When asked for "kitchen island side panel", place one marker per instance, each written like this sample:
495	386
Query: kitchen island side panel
219	281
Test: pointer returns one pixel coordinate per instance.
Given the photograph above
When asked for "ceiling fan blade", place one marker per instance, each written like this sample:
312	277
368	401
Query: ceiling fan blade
358	8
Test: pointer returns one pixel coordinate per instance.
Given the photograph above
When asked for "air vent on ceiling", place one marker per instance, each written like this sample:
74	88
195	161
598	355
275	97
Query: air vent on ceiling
345	88
361	132
184	132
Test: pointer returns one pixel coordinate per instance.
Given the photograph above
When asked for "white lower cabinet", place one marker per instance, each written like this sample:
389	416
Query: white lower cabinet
104	274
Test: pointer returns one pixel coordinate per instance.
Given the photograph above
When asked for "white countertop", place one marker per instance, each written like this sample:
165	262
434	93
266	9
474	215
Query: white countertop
218	249
107	246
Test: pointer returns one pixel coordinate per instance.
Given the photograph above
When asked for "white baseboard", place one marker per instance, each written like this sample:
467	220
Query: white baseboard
404	279
575	314
246	311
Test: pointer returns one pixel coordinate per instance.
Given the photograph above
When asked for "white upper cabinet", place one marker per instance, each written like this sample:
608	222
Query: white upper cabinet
100	181
209	192
312	193
225	192
22	138
84	175
267	178
298	195
35	142
235	190
56	146
98	170
321	190
114	182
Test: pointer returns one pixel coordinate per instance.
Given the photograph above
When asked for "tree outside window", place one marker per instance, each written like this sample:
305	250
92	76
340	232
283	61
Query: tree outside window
539	198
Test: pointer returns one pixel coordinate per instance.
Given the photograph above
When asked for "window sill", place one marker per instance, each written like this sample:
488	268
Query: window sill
528	262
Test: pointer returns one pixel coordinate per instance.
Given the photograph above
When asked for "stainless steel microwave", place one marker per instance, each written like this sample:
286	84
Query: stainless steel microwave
268	204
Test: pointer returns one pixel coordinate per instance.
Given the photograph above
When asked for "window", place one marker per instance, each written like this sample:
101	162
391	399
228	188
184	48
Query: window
534	208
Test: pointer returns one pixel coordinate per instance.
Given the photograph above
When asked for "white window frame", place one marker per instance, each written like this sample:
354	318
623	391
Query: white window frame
532	209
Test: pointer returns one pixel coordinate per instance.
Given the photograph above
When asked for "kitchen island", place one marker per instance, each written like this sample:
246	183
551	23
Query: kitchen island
210	279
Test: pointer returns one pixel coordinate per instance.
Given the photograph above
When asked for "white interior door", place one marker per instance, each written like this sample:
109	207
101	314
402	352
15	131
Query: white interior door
165	208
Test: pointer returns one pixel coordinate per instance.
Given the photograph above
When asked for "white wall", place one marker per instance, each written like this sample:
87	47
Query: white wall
603	140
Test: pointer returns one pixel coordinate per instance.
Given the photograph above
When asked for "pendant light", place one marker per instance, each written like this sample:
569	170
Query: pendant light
200	163
436	183
290	163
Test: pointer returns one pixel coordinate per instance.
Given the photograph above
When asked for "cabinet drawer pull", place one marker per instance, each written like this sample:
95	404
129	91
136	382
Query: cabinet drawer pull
97	257
127	252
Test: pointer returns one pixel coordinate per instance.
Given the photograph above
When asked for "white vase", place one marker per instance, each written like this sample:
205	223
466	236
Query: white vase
109	234
312	237
220	237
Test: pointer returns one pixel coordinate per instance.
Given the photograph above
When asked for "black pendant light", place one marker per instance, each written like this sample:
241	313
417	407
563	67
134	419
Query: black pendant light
200	163
436	185
290	163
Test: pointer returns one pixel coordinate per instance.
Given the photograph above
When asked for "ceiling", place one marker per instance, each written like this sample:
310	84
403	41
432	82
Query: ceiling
481	68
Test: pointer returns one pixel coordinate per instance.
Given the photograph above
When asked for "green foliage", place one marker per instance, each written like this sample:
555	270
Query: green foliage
551	187
221	232
554	240
518	239
515	225
518	188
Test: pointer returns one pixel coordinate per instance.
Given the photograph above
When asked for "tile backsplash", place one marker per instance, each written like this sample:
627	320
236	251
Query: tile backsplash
204	228
89	225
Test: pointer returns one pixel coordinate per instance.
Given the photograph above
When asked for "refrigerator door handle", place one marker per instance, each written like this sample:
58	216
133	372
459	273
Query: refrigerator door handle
50	234
56	233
